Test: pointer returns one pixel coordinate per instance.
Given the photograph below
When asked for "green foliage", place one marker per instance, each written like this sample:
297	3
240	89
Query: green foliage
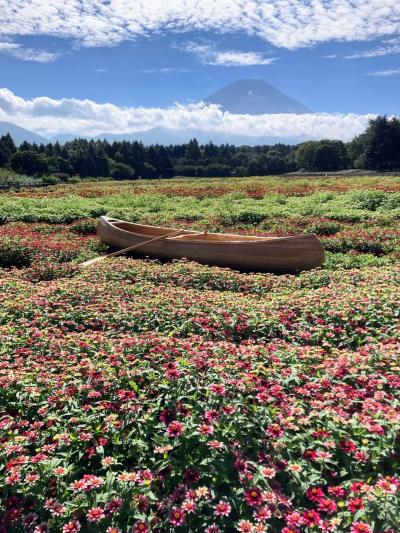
7	149
29	162
122	172
382	144
325	155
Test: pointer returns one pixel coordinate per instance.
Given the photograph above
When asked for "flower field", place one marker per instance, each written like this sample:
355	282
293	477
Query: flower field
137	396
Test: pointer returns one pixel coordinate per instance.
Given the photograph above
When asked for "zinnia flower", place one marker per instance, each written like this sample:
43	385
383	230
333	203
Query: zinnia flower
360	527
177	517
253	496
222	508
95	514
175	429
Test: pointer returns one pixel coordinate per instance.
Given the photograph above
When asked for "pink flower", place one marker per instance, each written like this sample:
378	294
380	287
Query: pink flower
213	529
205	429
59	471
388	485
244	526
217	389
215	444
177	517
326	505
222	508
294	520
71	527
189	506
95	514
275	431
360	527
175	429
268	472
114	505
337	492
263	514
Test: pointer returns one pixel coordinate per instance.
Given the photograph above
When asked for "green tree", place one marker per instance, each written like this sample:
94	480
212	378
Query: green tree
193	152
30	163
382	144
7	149
122	172
322	156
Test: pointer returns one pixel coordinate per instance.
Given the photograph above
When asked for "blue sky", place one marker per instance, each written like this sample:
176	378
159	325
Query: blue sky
334	57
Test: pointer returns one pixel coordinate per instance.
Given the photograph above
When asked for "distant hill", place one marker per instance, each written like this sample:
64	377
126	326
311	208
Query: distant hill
167	136
63	138
255	97
20	135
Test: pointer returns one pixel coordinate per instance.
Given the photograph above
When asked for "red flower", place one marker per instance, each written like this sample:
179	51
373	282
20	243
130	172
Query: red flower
192	476
311	455
175	429
347	446
311	518
177	517
253	497
140	527
167	416
315	494
355	504
275	431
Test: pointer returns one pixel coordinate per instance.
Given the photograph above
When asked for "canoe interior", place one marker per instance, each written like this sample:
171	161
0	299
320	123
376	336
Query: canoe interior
155	231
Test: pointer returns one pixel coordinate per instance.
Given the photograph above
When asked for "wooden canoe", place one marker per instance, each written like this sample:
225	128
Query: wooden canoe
250	253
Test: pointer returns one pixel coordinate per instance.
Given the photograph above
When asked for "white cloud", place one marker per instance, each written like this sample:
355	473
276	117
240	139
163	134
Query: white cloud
26	54
86	117
284	23
209	55
384	50
390	72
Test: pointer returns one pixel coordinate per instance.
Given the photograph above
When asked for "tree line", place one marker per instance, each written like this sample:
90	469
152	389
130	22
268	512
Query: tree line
378	148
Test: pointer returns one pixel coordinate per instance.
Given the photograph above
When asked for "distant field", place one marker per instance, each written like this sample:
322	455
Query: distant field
137	396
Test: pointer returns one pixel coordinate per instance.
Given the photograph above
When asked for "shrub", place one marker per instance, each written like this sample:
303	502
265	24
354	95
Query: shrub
86	226
324	228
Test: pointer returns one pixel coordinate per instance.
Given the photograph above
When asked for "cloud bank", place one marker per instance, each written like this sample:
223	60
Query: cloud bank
49	116
284	23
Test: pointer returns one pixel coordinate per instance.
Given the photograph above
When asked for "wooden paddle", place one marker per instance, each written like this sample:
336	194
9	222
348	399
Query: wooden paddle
129	249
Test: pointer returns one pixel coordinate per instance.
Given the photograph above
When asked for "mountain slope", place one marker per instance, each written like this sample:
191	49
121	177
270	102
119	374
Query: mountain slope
19	134
255	97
